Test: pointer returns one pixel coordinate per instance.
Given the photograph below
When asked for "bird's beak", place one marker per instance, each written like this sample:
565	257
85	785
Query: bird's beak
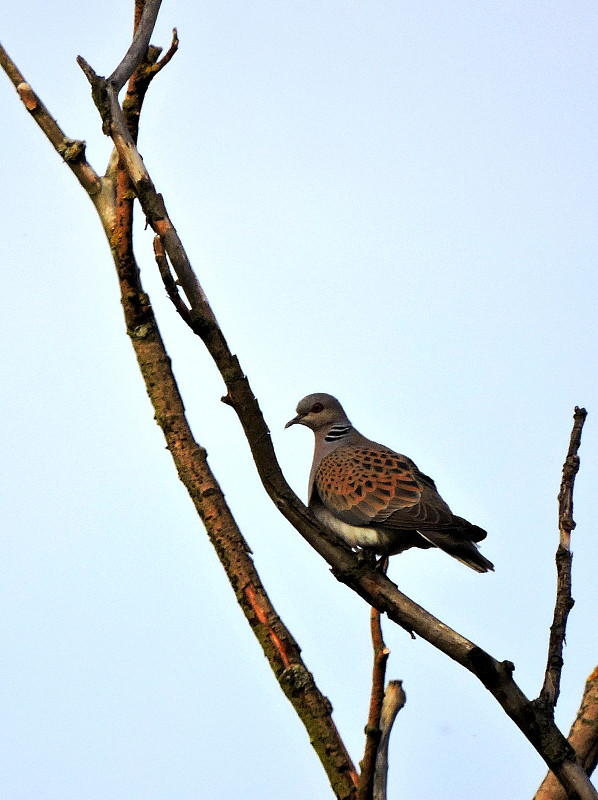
295	421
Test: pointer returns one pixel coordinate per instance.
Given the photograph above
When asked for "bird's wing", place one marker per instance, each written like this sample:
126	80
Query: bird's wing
373	485
363	485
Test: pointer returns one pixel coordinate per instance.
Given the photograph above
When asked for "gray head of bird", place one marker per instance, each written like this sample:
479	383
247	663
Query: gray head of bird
317	411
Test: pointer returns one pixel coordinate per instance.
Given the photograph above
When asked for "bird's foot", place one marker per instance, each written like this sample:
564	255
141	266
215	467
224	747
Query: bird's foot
367	557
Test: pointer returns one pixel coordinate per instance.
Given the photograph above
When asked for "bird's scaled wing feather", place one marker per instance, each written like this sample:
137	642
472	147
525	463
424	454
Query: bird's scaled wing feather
363	485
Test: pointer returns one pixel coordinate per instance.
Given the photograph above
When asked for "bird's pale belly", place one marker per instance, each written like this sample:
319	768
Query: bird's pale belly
354	535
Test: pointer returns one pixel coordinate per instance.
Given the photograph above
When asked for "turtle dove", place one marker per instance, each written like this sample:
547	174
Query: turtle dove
375	498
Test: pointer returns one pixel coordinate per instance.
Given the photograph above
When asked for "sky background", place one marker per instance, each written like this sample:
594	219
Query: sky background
394	202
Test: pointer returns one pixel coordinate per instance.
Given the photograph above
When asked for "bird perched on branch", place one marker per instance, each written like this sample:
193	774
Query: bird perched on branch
374	498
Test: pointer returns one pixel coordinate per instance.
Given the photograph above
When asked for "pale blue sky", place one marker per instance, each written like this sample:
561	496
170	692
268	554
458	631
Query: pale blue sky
391	202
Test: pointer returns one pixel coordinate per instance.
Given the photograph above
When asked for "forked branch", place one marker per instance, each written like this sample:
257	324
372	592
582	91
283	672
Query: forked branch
373	731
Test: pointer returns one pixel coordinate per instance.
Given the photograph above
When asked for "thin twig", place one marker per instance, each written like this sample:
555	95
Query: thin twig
394	700
372	729
570	470
583	737
169	282
174	46
564	601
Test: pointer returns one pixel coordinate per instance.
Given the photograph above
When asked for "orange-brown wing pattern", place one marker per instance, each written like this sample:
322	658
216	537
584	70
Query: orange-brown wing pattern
360	484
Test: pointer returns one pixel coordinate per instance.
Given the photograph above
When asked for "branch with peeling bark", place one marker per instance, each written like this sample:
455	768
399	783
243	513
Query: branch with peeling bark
372	729
385	704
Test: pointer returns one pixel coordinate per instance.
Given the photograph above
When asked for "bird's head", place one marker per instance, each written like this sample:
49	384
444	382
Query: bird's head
317	411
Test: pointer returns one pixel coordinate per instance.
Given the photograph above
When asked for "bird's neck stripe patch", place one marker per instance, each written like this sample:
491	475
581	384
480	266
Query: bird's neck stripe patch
337	432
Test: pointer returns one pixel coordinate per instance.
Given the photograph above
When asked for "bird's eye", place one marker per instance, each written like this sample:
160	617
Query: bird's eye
316	408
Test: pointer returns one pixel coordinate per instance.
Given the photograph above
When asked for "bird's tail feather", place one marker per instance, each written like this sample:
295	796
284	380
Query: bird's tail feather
464	551
464	529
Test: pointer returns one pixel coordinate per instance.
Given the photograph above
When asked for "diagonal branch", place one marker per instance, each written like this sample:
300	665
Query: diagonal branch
135	55
564	601
170	283
279	646
72	151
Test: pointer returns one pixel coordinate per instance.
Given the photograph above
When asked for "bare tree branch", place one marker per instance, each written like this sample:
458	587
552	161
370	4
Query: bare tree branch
72	151
394	700
139	83
279	646
169	282
372	729
564	601
135	55
583	737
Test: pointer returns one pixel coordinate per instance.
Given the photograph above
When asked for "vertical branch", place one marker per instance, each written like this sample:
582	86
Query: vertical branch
372	729
570	470
564	601
144	27
394	700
